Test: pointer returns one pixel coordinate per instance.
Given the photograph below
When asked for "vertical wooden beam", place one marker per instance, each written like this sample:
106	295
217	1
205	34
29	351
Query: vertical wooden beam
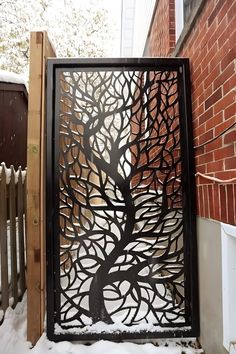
40	50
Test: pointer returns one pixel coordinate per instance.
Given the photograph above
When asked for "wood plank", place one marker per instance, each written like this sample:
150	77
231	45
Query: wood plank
40	49
20	213
33	189
12	209
3	240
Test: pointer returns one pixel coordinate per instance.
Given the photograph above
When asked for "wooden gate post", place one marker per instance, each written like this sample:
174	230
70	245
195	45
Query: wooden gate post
40	50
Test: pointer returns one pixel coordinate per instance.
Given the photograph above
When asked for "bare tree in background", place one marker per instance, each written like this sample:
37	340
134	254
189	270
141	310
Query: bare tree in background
75	30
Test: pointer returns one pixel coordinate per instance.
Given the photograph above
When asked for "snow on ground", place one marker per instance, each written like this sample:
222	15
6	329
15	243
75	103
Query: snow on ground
13	340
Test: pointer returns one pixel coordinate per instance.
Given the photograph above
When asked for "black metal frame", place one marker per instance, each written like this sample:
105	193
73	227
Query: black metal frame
187	167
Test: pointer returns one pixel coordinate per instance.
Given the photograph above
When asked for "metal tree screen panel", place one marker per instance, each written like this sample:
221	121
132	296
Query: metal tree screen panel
121	229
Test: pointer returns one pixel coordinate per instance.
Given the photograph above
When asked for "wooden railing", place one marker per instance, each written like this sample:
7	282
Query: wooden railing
12	236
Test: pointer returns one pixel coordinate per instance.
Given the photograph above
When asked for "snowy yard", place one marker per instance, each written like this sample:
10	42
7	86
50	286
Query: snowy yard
13	338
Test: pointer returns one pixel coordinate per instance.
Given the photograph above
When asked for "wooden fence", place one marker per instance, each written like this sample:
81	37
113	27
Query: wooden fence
13	118
12	235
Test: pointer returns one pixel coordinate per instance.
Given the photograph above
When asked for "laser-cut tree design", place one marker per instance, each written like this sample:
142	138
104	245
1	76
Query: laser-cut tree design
120	198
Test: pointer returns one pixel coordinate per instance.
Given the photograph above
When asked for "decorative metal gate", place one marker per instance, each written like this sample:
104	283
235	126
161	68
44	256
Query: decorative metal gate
121	239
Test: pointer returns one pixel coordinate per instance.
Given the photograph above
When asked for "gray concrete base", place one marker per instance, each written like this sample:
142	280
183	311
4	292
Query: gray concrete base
210	286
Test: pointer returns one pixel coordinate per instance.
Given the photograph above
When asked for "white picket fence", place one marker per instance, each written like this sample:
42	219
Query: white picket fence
12	236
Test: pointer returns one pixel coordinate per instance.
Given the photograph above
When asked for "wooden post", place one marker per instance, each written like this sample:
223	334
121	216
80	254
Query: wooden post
40	50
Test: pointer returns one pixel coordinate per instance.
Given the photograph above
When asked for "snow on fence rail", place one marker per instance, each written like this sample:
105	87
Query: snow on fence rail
12	236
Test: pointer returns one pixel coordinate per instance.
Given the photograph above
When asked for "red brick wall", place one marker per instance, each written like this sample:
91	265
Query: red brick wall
211	48
162	40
